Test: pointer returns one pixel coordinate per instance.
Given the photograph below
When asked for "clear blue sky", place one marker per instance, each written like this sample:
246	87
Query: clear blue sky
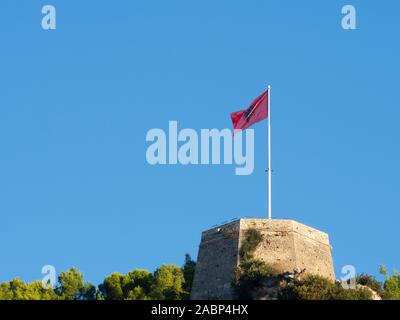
76	104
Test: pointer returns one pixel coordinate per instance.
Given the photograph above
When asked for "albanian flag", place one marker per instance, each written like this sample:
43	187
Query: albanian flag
257	111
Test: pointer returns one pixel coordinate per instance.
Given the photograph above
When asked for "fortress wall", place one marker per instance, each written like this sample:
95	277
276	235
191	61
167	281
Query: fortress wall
217	258
290	245
287	246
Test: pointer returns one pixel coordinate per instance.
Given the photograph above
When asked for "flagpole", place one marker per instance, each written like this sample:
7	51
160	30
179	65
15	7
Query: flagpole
269	156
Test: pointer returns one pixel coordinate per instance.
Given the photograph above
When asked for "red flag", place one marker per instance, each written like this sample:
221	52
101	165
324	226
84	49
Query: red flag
257	111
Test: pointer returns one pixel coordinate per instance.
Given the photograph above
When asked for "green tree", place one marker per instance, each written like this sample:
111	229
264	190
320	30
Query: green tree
137	293
168	283
391	285
18	290
111	288
137	278
36	291
71	286
188	274
5	291
135	285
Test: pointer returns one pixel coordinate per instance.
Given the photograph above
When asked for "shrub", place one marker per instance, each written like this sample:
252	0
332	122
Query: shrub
251	277
313	287
370	281
249	245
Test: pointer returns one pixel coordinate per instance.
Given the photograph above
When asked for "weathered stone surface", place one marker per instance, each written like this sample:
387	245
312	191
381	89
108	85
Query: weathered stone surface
287	246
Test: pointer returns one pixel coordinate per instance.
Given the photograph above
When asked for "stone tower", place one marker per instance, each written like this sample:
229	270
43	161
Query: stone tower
287	246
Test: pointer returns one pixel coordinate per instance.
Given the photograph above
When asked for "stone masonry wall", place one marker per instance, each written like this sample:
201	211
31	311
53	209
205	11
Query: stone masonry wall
289	245
217	258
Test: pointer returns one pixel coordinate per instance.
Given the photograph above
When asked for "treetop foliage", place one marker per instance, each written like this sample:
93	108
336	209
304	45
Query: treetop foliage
167	282
254	279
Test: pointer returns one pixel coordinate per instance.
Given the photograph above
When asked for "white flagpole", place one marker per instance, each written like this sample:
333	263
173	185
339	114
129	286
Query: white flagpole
269	155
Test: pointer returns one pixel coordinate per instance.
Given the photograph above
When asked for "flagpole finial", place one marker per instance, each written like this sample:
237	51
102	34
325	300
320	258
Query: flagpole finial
269	87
